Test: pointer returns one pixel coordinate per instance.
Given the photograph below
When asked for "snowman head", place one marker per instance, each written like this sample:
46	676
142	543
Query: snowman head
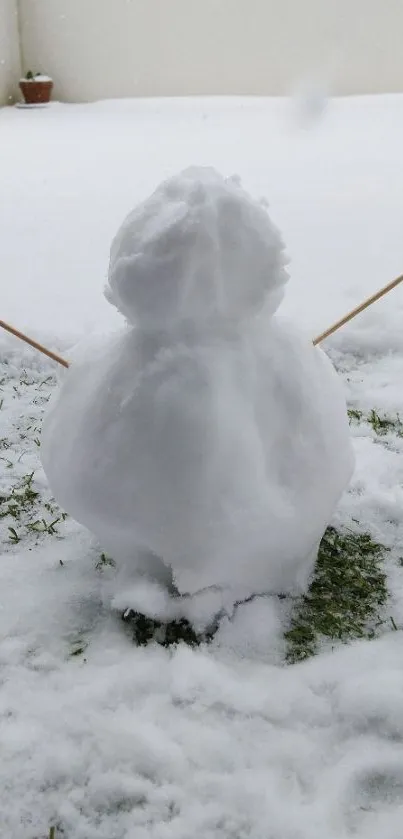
198	250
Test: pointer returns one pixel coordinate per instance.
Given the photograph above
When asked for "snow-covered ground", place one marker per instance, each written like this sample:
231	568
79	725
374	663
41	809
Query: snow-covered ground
107	740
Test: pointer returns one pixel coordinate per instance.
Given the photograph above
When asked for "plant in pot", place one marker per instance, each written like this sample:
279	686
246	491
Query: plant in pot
36	89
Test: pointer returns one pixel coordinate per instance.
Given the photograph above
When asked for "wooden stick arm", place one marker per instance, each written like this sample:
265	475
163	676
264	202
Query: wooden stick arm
357	310
54	356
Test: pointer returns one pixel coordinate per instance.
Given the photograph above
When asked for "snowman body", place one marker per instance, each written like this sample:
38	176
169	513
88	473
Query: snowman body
209	436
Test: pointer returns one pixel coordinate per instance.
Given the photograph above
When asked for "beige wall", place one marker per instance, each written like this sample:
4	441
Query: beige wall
114	48
9	51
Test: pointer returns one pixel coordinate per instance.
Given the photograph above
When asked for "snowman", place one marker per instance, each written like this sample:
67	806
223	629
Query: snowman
206	444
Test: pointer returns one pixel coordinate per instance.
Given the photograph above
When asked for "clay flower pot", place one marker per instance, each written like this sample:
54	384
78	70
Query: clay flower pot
36	90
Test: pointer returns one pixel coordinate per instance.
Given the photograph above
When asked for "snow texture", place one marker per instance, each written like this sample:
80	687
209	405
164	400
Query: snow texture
198	252
39	77
211	435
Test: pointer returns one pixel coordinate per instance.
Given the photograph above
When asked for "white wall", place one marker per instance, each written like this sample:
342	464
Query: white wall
114	48
10	68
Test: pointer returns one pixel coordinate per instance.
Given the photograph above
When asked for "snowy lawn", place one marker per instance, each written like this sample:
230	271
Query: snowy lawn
100	737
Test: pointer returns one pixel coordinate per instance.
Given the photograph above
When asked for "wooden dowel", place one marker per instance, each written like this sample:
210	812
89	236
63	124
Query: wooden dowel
34	344
358	309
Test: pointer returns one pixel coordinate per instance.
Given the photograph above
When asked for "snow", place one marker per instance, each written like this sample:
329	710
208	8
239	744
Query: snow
181	258
39	77
221	741
209	434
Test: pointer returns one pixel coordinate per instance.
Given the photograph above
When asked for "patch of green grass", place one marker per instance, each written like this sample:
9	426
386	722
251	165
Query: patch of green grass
382	425
21	498
27	512
345	597
355	416
145	630
78	648
344	601
104	561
